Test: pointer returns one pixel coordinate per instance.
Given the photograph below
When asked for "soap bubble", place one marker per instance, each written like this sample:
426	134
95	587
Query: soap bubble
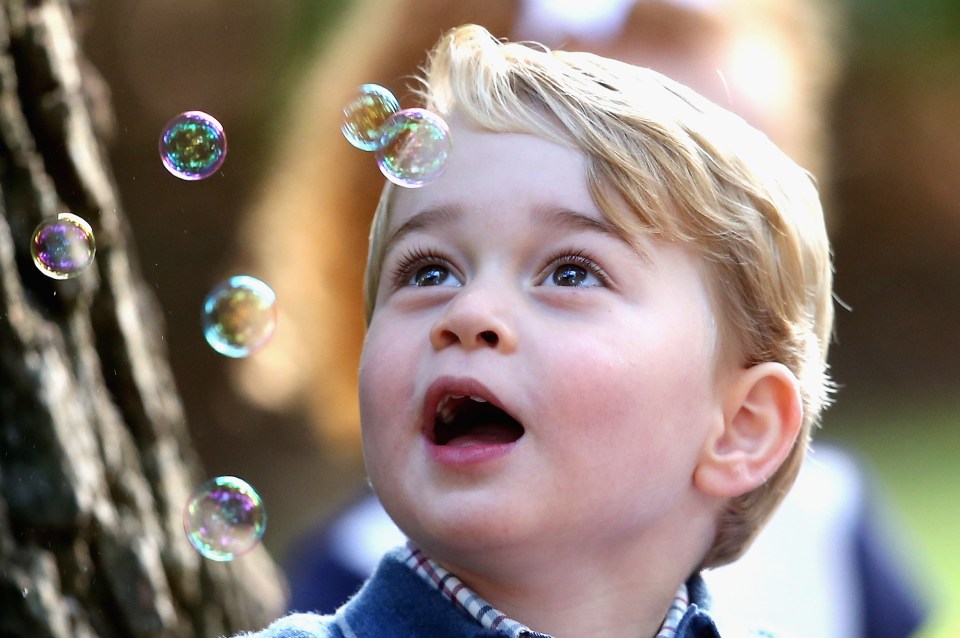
193	145
239	316
63	247
364	117
224	518
414	147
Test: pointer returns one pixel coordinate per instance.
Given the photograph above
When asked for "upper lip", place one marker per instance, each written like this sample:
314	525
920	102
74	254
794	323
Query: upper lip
455	386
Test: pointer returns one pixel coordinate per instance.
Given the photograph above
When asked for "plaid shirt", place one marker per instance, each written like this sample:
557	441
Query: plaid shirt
453	589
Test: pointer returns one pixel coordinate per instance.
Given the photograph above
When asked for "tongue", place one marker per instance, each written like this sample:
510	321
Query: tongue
484	434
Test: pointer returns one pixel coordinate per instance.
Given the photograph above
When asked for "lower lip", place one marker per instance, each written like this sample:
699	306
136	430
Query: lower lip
468	454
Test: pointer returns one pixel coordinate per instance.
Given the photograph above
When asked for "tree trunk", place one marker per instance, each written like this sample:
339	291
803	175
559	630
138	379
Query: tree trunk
96	464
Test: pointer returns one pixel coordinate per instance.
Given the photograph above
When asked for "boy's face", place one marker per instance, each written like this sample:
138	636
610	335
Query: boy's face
593	360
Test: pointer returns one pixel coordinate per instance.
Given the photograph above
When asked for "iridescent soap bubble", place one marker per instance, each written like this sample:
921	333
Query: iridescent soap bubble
63	247
193	145
239	316
364	117
224	518
414	147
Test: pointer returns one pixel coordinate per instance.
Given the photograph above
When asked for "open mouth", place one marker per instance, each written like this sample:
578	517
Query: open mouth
470	420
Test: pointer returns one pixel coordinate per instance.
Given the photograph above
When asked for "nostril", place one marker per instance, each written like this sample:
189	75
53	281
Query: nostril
490	337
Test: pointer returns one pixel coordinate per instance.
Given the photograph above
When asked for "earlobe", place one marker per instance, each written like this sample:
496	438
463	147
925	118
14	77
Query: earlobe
762	417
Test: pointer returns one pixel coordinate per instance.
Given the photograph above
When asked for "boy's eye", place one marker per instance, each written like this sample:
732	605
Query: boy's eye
421	268
570	275
433	275
575	271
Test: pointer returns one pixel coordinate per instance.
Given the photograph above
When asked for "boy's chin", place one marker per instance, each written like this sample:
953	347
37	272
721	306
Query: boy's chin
455	538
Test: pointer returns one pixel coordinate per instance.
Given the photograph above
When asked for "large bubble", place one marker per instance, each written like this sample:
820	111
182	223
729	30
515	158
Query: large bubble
193	145
414	147
239	316
224	518
63	247
365	115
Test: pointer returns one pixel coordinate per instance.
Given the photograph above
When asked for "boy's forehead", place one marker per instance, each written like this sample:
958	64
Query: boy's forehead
494	171
488	168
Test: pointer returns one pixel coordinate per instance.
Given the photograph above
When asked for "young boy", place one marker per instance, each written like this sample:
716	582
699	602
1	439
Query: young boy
596	348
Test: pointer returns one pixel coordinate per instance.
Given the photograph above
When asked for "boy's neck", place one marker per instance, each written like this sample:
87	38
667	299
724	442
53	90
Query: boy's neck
591	591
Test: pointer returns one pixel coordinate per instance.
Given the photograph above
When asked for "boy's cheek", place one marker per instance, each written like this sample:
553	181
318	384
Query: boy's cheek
385	380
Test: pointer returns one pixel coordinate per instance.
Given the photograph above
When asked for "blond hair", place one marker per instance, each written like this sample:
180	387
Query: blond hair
688	171
311	214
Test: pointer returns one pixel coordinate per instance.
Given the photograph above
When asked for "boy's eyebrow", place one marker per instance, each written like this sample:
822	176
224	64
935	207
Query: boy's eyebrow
557	217
565	217
436	215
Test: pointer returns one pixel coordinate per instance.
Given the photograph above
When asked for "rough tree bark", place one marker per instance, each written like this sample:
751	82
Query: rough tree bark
95	458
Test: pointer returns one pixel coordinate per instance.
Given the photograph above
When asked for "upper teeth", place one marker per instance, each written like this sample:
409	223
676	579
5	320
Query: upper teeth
445	408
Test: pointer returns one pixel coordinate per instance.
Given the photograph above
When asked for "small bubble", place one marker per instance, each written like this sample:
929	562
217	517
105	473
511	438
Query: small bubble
364	117
193	145
224	518
414	147
63	247
239	316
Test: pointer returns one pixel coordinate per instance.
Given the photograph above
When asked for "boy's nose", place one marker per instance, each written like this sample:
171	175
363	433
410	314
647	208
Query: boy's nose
474	320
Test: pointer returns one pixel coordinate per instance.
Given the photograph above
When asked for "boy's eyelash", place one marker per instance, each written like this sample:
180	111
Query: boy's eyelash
580	258
417	257
411	261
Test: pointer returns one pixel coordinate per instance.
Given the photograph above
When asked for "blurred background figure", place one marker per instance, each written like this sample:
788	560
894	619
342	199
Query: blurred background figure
292	203
773	61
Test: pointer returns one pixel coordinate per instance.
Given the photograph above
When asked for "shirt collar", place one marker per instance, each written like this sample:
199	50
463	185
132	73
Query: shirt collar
453	589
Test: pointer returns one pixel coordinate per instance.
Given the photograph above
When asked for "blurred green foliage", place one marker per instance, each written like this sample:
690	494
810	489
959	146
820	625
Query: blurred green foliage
313	21
912	448
920	19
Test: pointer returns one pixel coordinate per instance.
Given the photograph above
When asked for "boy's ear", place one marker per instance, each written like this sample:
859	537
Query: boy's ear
762	417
